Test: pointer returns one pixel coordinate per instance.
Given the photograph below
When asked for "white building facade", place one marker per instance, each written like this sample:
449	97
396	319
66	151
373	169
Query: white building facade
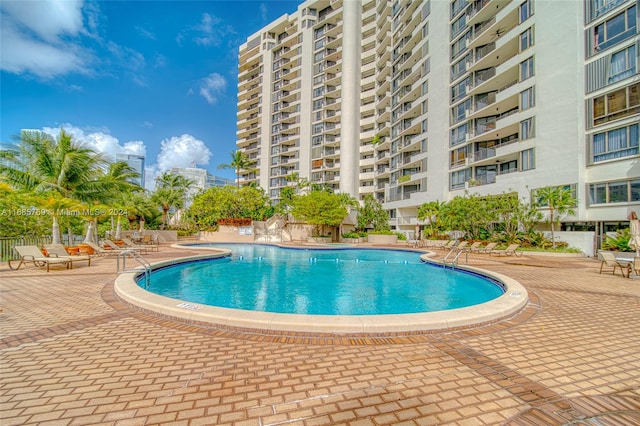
415	101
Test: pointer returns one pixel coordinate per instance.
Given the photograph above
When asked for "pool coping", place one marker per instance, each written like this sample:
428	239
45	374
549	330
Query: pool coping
510	303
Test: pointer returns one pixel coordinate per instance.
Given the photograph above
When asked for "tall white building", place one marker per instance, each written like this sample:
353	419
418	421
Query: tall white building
136	162
415	101
201	180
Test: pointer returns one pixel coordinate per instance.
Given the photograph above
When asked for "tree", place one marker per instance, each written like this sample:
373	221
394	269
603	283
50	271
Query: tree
372	214
41	164
558	200
240	162
431	211
171	190
228	202
320	208
58	169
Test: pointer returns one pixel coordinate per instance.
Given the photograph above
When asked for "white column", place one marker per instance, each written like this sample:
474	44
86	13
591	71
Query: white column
351	83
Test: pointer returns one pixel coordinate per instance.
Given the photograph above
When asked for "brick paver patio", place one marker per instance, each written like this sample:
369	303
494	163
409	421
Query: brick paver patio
72	354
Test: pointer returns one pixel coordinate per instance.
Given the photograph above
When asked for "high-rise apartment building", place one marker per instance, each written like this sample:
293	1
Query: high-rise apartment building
200	179
415	101
136	162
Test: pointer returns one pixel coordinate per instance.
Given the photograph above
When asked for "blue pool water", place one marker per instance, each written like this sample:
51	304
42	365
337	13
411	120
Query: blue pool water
322	282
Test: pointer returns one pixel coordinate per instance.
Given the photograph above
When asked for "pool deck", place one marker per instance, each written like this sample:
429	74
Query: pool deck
71	353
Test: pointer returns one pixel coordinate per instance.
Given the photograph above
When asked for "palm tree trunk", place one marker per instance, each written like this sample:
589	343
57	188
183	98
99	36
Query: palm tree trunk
118	229
88	238
553	238
55	232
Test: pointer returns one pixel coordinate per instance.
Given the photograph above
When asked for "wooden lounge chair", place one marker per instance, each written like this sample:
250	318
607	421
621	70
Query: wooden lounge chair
488	248
509	251
58	250
609	260
34	255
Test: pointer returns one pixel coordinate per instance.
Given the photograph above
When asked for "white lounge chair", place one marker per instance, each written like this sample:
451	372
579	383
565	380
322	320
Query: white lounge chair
34	255
509	251
488	248
58	250
609	260
131	245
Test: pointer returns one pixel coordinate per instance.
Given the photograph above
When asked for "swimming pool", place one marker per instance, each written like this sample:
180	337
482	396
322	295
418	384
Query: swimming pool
126	288
336	281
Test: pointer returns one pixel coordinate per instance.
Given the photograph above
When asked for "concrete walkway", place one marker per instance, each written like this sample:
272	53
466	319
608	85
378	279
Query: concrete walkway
71	354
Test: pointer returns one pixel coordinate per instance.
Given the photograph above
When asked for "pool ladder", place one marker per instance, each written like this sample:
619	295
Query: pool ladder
456	252
140	259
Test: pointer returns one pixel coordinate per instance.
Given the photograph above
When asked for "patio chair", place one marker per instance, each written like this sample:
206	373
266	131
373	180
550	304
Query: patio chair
100	251
131	245
609	260
117	249
151	241
34	255
488	248
474	247
434	244
58	250
509	251
461	246
448	245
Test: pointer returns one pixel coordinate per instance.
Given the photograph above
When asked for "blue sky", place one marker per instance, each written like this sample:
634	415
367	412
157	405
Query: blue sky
156	78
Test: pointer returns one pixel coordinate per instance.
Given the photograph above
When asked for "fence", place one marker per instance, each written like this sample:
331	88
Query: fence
7	244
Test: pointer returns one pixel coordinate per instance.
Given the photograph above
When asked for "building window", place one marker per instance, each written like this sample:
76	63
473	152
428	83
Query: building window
526	129
458	157
600	7
527	160
458	112
459	134
527	99
457	6
526	69
626	191
526	10
458	25
459	67
509	167
458	178
614	30
459	90
526	39
460	46
617	143
615	105
623	64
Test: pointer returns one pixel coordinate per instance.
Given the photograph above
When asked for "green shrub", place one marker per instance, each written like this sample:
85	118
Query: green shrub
618	243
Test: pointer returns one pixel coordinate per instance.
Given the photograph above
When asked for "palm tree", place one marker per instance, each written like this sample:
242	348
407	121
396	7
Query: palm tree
431	211
559	200
63	168
41	164
240	162
57	169
171	190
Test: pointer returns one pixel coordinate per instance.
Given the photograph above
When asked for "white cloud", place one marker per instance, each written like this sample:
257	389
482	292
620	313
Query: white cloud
210	31
36	37
212	86
100	141
182	151
177	151
47	18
